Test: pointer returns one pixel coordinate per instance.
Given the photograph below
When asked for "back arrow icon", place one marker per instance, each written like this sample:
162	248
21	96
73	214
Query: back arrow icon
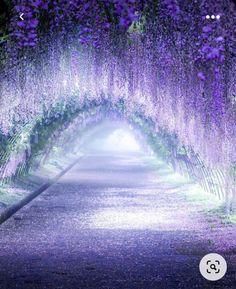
21	16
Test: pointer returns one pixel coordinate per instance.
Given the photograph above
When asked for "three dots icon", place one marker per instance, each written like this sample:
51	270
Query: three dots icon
213	17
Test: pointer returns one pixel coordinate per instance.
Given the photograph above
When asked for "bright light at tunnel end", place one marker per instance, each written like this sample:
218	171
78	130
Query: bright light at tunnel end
122	140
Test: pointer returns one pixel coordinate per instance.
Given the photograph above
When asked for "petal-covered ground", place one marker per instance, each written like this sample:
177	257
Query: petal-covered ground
115	222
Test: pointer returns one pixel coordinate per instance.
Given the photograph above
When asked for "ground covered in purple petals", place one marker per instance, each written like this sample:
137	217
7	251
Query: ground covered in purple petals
115	222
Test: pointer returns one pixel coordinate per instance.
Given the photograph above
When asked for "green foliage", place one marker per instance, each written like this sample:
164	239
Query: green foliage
232	171
46	129
162	142
181	150
138	26
120	106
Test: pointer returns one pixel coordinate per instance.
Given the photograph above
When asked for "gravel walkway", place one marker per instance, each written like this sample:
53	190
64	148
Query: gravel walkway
113	223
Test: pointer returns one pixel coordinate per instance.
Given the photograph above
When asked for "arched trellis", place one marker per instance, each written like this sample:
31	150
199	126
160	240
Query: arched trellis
214	181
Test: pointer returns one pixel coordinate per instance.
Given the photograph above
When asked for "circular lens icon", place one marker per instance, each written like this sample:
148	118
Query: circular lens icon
213	267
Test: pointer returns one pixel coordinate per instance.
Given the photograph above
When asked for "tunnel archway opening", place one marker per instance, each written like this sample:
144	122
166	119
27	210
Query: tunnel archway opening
64	128
117	176
113	137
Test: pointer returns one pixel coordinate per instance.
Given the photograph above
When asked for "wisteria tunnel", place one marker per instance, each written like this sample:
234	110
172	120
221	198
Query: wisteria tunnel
117	143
